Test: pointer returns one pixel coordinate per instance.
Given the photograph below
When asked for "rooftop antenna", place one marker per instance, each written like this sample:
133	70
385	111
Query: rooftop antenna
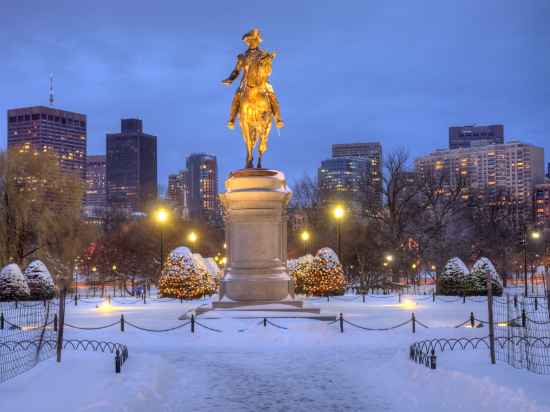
51	89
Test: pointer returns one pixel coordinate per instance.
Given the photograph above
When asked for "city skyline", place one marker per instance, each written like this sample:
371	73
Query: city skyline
410	93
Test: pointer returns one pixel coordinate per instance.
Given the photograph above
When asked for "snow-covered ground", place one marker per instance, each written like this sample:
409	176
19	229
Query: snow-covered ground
310	366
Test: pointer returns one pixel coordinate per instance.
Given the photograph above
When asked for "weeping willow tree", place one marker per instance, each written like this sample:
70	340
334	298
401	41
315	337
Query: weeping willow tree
40	212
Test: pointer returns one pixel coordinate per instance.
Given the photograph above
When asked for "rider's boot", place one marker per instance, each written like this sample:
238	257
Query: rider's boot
259	165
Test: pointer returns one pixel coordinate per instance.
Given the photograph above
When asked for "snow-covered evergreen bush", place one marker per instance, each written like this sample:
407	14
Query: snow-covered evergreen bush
202	268
184	276
454	278
39	280
13	285
480	271
297	269
323	276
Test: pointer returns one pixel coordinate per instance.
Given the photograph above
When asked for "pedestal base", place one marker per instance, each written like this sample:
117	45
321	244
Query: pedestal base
255	220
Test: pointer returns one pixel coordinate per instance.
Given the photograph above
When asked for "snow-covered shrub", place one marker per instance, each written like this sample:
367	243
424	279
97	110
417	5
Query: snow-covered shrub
13	285
184	276
480	271
297	269
323	275
202	268
453	278
39	280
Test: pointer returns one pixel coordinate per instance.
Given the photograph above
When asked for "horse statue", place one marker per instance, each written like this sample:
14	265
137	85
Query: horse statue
254	102
255	111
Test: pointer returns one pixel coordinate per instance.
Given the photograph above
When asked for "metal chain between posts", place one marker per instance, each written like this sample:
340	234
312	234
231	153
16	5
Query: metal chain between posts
157	330
93	327
207	327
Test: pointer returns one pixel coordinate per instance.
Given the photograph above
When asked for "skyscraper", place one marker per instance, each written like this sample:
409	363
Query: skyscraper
373	153
96	197
548	170
541	205
468	136
178	193
513	168
202	173
41	128
131	168
346	180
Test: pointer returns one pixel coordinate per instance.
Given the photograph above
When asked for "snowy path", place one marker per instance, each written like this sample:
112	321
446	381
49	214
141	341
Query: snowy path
309	367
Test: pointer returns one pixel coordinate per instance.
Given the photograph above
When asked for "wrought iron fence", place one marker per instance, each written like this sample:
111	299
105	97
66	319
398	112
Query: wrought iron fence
24	322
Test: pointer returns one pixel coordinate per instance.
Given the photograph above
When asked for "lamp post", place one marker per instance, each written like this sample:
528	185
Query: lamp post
535	236
161	216
305	238
339	213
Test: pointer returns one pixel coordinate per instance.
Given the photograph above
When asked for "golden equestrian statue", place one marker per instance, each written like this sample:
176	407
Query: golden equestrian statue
255	101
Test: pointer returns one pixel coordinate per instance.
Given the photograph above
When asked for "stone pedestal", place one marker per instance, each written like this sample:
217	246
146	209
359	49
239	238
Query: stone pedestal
255	205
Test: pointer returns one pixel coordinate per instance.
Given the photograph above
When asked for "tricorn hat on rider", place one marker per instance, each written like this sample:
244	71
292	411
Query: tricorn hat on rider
252	34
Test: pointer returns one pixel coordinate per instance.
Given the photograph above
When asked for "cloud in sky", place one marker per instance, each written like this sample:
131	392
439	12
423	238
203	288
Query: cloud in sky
398	72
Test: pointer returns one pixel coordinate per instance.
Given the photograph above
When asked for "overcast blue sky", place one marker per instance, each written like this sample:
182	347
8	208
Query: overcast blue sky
398	72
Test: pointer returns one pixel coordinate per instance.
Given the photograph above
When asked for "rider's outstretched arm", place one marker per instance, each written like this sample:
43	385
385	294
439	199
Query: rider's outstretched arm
235	73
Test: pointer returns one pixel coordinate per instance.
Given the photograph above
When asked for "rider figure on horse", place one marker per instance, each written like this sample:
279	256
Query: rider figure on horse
246	62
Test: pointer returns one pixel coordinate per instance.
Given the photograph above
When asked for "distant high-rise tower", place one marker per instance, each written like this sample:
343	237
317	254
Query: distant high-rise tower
469	136
41	128
202	176
96	197
373	153
178	193
131	168
512	169
345	179
548	170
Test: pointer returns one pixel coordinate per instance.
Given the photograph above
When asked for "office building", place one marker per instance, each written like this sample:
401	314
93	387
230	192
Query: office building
461	137
95	205
178	193
131	168
512	169
373	153
345	180
541	207
41	128
202	183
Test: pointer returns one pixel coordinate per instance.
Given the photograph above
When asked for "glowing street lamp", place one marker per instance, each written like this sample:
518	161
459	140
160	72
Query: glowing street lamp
305	238
339	213
389	258
192	237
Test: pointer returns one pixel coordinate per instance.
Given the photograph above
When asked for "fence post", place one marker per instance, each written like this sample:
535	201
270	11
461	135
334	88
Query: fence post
363	298
515	301
523	318
463	297
413	319
328	298
472	320
117	361
1	320
16	304
433	296
433	360
192	323
75	299
536	304
491	321
399	297
341	323
55	322
144	298
122	323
